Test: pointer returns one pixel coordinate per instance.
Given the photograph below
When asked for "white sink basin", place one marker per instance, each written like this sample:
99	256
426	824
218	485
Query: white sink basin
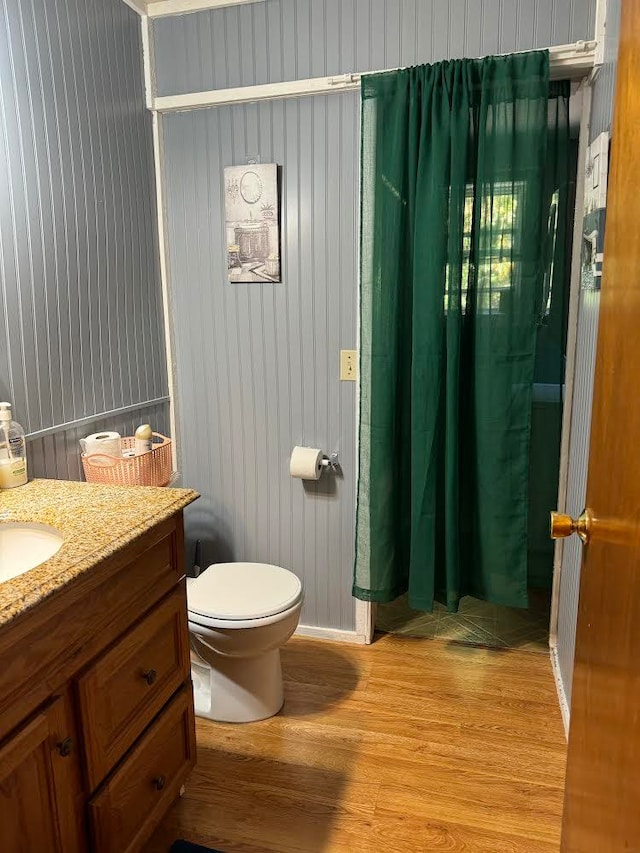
25	546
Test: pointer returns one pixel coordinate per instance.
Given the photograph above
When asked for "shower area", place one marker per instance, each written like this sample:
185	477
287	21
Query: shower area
481	623
476	620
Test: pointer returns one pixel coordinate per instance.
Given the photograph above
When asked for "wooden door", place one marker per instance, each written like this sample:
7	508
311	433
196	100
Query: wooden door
602	796
40	789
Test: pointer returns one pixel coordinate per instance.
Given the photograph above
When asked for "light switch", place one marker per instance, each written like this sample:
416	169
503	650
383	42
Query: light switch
348	365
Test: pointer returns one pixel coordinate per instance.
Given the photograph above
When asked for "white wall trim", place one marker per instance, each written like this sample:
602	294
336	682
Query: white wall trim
98	416
166	8
600	30
562	696
138	6
365	611
163	245
262	92
572	342
568	61
365	620
148	62
335	634
158	149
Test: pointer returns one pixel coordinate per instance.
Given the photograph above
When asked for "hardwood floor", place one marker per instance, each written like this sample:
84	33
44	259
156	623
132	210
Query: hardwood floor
406	745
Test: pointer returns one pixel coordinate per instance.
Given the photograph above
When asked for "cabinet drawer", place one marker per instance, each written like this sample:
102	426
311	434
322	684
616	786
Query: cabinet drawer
134	800
128	685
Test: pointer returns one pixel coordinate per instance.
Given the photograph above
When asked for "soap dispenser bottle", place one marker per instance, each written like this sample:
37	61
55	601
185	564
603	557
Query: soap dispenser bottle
13	450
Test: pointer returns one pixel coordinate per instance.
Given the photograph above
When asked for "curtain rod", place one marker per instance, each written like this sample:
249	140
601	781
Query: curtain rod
566	61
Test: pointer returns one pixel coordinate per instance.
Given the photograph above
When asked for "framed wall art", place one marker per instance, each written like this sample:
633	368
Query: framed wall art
595	212
252	226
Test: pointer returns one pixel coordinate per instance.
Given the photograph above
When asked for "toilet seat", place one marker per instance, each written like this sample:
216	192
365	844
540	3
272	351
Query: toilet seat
241	593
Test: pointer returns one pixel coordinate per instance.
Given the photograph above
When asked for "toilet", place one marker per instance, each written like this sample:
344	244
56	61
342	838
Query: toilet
240	614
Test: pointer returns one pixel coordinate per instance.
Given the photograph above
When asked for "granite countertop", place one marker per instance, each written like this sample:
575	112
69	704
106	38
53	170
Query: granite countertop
95	521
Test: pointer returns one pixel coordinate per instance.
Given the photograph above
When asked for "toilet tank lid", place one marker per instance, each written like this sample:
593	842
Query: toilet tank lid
243	591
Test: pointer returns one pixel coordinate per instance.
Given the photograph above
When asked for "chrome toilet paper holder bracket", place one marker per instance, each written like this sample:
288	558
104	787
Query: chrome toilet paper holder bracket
331	463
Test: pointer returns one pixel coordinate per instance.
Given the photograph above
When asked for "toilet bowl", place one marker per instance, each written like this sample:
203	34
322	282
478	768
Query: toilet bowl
240	614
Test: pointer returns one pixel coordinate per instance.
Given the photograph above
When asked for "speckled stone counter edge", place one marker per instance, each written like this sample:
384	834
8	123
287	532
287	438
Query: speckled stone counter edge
95	521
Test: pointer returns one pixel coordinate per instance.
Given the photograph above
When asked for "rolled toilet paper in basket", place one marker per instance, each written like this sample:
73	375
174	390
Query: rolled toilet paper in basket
107	443
306	463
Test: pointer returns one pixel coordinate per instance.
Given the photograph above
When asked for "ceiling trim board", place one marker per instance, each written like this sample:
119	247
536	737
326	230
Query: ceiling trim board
167	8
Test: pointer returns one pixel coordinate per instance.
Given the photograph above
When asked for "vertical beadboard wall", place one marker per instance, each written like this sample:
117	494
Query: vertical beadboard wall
258	364
601	118
80	298
293	39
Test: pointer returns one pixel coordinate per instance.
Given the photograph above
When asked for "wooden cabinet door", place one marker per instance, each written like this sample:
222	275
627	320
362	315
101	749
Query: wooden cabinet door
40	788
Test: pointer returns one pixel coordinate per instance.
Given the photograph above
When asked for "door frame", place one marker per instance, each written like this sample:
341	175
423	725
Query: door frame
585	89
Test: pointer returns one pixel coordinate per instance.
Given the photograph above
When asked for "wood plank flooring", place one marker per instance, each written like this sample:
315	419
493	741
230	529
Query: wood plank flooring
406	745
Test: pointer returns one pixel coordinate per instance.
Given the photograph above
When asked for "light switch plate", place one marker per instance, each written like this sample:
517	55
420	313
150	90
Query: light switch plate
348	365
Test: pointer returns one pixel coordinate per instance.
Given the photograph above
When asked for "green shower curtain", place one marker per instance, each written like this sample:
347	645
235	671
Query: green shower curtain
456	273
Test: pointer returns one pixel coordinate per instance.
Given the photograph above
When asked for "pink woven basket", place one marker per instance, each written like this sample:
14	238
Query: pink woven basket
152	468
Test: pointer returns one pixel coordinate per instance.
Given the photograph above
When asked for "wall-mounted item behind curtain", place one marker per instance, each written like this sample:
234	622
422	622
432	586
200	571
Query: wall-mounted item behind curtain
454	284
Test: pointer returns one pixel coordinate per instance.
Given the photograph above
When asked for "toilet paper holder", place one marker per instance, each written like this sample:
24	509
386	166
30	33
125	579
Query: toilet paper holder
309	463
331	462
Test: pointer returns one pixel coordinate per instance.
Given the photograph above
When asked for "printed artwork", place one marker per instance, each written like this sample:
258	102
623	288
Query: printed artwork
595	204
252	227
592	248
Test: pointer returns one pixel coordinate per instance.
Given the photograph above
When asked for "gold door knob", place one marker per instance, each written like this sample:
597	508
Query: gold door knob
562	525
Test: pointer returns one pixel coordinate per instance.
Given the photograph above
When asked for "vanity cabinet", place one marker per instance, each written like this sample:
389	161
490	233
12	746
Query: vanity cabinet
40	784
97	731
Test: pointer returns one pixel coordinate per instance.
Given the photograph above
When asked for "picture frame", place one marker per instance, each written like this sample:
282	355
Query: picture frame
252	223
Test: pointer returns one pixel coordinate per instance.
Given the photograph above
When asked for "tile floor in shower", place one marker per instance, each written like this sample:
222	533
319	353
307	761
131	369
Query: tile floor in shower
476	623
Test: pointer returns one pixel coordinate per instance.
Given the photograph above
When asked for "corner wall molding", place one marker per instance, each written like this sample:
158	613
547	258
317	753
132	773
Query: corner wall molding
149	68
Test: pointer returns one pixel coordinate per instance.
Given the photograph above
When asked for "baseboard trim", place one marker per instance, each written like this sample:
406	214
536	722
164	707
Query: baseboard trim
562	696
335	634
365	620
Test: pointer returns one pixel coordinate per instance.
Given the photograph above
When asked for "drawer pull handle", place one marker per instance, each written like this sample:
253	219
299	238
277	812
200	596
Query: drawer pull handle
64	747
158	783
150	676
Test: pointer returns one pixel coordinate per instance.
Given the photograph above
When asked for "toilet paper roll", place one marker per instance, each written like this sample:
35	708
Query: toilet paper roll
108	443
306	463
